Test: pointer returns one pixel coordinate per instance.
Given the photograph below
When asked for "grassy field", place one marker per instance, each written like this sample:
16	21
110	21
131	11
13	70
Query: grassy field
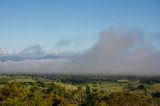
67	86
23	80
108	87
155	87
101	86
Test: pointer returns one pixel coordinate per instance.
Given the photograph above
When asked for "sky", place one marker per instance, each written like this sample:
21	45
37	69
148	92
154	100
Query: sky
80	36
76	23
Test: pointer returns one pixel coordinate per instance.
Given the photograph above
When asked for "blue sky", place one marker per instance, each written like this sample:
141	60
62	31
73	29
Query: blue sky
75	23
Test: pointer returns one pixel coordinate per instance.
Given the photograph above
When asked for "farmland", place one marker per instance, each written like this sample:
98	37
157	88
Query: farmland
48	90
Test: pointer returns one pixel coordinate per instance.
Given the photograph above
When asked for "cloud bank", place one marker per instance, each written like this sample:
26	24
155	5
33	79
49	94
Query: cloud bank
118	51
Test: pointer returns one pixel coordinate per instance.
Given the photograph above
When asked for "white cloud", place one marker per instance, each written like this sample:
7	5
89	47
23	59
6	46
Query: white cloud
118	51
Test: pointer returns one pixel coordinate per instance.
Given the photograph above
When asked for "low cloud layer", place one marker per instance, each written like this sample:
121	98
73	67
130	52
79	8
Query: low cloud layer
33	66
118	51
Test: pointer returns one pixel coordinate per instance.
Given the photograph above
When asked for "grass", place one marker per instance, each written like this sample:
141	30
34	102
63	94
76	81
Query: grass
67	86
108	87
102	86
155	87
23	80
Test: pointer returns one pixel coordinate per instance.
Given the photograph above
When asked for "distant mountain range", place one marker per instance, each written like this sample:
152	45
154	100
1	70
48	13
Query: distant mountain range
15	57
32	53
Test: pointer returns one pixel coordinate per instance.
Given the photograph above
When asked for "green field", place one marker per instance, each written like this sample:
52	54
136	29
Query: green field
42	91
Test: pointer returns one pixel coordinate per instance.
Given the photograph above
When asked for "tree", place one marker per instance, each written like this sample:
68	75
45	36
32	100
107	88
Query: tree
91	97
129	99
